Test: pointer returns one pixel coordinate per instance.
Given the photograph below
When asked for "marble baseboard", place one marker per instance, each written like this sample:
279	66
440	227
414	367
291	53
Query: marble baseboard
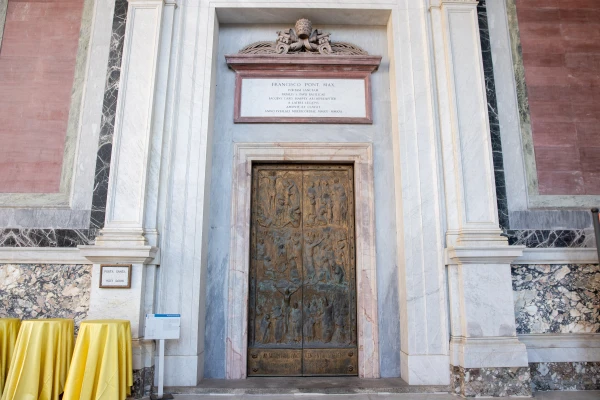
491	382
143	381
557	298
45	291
565	376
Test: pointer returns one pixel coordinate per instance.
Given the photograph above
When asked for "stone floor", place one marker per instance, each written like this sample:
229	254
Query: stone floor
587	395
334	388
307	385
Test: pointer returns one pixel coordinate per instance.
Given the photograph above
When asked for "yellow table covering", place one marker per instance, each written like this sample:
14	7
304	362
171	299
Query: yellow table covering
101	367
40	362
9	329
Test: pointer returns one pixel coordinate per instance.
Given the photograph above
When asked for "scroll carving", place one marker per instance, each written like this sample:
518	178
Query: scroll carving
303	39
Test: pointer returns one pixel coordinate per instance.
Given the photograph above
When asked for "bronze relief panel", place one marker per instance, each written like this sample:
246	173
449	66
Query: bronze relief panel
302	303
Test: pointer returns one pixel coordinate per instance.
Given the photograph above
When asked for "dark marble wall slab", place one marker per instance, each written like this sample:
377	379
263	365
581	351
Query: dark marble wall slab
547	238
490	85
45	291
13	237
143	382
491	382
565	376
557	298
529	237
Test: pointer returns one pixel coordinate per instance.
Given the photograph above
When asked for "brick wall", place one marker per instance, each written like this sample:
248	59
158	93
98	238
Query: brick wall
561	52
37	64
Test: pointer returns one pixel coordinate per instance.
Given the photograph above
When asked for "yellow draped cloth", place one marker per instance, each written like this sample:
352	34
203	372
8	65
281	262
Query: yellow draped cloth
101	368
9	329
40	362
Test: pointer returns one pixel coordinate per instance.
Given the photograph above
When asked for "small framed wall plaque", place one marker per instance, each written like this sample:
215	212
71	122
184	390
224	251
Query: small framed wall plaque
115	276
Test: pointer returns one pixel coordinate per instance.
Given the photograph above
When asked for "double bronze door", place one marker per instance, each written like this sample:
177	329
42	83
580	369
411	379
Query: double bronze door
302	303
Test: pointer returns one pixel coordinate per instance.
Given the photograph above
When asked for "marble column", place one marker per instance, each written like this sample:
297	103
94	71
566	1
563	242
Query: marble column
424	352
123	240
483	347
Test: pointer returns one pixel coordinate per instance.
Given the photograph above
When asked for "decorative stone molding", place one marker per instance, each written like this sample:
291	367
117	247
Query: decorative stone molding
483	255
486	352
558	256
360	154
562	347
473	2
121	254
303	39
41	255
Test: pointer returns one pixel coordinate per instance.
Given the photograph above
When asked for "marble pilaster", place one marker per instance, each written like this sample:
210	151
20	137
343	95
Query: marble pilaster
419	201
122	238
483	333
127	183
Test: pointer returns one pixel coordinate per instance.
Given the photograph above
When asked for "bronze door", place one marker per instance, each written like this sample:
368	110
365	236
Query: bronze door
302	303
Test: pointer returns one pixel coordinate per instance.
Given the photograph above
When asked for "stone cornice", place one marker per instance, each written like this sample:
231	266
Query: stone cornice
483	255
245	62
123	254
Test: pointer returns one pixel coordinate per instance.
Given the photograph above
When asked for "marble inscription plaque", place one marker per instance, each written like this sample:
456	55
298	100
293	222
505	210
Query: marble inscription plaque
337	100
115	276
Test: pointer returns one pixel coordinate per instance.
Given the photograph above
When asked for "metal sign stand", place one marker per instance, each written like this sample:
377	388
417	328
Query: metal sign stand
160	327
161	373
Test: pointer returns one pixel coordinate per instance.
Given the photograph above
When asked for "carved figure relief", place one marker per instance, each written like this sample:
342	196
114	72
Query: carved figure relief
302	284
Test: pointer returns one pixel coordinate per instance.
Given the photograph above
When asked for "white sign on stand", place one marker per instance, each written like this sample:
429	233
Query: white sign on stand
160	327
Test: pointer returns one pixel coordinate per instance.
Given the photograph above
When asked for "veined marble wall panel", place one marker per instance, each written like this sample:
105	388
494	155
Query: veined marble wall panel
565	376
373	39
41	84
55	235
45	291
521	222
557	298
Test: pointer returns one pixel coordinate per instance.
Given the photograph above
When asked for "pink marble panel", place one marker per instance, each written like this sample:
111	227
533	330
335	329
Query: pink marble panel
561	53
37	64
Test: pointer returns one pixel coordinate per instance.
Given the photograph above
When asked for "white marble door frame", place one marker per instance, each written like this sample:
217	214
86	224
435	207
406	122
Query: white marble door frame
361	155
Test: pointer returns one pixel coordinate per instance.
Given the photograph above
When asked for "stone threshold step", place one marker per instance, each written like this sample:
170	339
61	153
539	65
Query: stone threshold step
308	385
